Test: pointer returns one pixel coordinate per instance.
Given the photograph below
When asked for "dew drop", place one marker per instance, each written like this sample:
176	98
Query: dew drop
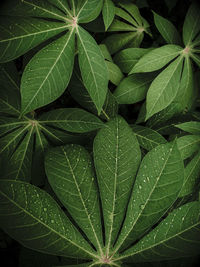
140	187
142	206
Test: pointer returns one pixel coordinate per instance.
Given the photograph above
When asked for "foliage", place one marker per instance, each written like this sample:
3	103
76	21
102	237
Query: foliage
100	132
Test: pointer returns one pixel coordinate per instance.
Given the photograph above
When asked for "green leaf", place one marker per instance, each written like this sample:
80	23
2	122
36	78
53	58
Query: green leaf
157	58
19	35
188	144
164	88
191	26
127	58
10	101
71	175
171	4
32	217
116	157
175	237
147	138
158	182
41	82
196	59
115	74
167	30
133	11
93	68
9	77
191	179
118	41
192	127
33	8
118	25
105	52
133	88
89	10
108	12
74	120
125	16
62	5
18	166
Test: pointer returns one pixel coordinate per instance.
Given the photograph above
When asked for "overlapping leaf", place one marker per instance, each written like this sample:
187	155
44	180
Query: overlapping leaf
32	217
71	175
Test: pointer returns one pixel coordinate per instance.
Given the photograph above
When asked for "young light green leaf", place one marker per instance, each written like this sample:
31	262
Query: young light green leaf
192	127
191	26
93	68
41	82
74	120
33	218
108	12
148	138
89	10
18	38
175	237
116	157
127	58
164	88
115	74
167	30
71	175
158	182
157	58
133	88
188	144
191	179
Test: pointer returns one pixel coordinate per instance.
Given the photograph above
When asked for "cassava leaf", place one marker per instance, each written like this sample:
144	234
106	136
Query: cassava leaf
10	101
158	182
133	88
71	119
41	82
9	77
108	12
188	144
133	11
19	35
120	26
175	237
147	137
191	26
127	58
89	10
191	179
34	8
71	175
116	157
167	30
115	74
192	127
157	58
164	88
93	68
33	218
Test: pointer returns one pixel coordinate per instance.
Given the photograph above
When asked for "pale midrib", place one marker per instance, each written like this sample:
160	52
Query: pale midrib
64	7
71	121
39	138
51	134
51	229
164	87
33	34
24	152
49	72
147	200
89	62
144	137
115	187
83	202
161	242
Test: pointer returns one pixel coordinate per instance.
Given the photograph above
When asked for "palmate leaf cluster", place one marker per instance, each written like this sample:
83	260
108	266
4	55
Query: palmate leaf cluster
82	179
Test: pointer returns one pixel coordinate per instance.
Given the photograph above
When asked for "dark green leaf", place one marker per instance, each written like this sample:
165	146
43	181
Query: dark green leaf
188	144
108	13
33	218
93	68
41	82
19	35
89	10
192	127
71	175
158	182
116	157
